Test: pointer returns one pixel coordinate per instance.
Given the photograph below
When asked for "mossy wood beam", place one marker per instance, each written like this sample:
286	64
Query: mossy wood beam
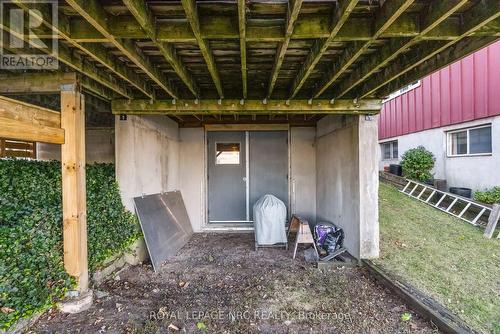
340	16
459	50
192	16
384	17
215	107
24	121
220	26
436	13
292	15
83	66
243	45
143	15
98	52
484	13
94	13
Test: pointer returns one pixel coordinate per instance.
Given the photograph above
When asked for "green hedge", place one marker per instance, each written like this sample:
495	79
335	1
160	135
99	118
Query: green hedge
32	275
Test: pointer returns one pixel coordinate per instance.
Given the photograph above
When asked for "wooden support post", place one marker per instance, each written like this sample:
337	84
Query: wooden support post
74	201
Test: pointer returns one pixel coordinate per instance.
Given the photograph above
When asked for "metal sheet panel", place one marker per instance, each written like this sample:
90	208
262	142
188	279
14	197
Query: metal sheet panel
165	224
463	91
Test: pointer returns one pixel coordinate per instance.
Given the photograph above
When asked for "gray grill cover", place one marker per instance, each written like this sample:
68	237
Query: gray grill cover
269	216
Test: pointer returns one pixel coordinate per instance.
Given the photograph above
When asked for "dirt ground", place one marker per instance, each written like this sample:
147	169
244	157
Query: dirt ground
219	284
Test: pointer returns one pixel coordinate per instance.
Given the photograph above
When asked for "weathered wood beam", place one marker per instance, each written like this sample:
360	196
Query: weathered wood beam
24	121
144	16
340	16
384	18
433	16
482	14
43	82
98	52
74	202
192	16
243	45
220	26
292	15
457	51
94	13
215	107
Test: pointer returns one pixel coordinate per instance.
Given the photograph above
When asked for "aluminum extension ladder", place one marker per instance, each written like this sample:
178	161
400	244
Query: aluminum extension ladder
417	190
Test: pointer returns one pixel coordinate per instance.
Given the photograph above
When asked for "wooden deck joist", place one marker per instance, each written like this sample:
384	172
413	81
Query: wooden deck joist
94	13
242	23
214	107
485	12
387	14
437	13
24	121
143	15
292	15
194	21
340	17
96	51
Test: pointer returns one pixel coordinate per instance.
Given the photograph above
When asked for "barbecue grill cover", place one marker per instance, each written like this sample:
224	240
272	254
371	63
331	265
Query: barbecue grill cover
269	215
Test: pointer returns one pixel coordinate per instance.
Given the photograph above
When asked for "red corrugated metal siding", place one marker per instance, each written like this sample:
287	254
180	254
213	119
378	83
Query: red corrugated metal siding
466	90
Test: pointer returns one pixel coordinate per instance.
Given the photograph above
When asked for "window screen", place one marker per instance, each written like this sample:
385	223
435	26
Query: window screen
387	150
390	150
394	149
480	140
227	154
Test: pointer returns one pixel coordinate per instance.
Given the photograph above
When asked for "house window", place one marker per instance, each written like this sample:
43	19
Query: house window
227	154
471	141
390	150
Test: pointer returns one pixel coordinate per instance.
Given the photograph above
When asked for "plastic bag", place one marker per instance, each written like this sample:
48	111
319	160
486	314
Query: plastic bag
328	237
269	215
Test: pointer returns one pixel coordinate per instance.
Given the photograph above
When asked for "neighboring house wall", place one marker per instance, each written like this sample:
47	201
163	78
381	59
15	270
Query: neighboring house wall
475	172
464	94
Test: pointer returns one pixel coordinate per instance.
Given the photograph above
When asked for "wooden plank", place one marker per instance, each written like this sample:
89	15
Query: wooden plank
11	83
243	45
246	127
180	107
221	26
95	14
341	15
479	16
143	15
384	18
292	16
435	14
192	16
74	204
492	221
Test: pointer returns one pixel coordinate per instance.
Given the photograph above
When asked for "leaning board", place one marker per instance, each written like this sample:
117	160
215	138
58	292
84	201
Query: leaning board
165	224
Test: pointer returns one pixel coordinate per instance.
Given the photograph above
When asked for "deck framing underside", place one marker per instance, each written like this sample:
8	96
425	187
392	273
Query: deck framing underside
257	51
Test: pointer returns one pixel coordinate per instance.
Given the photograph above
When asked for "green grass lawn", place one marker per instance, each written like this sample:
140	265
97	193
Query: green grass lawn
442	256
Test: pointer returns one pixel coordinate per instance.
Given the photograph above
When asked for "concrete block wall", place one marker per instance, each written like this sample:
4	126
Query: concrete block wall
99	147
347	180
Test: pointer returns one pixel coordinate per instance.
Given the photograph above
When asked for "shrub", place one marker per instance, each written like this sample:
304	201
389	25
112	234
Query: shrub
32	275
417	164
489	196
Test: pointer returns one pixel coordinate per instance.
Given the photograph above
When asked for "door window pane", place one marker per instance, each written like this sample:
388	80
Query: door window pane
480	140
227	154
459	143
